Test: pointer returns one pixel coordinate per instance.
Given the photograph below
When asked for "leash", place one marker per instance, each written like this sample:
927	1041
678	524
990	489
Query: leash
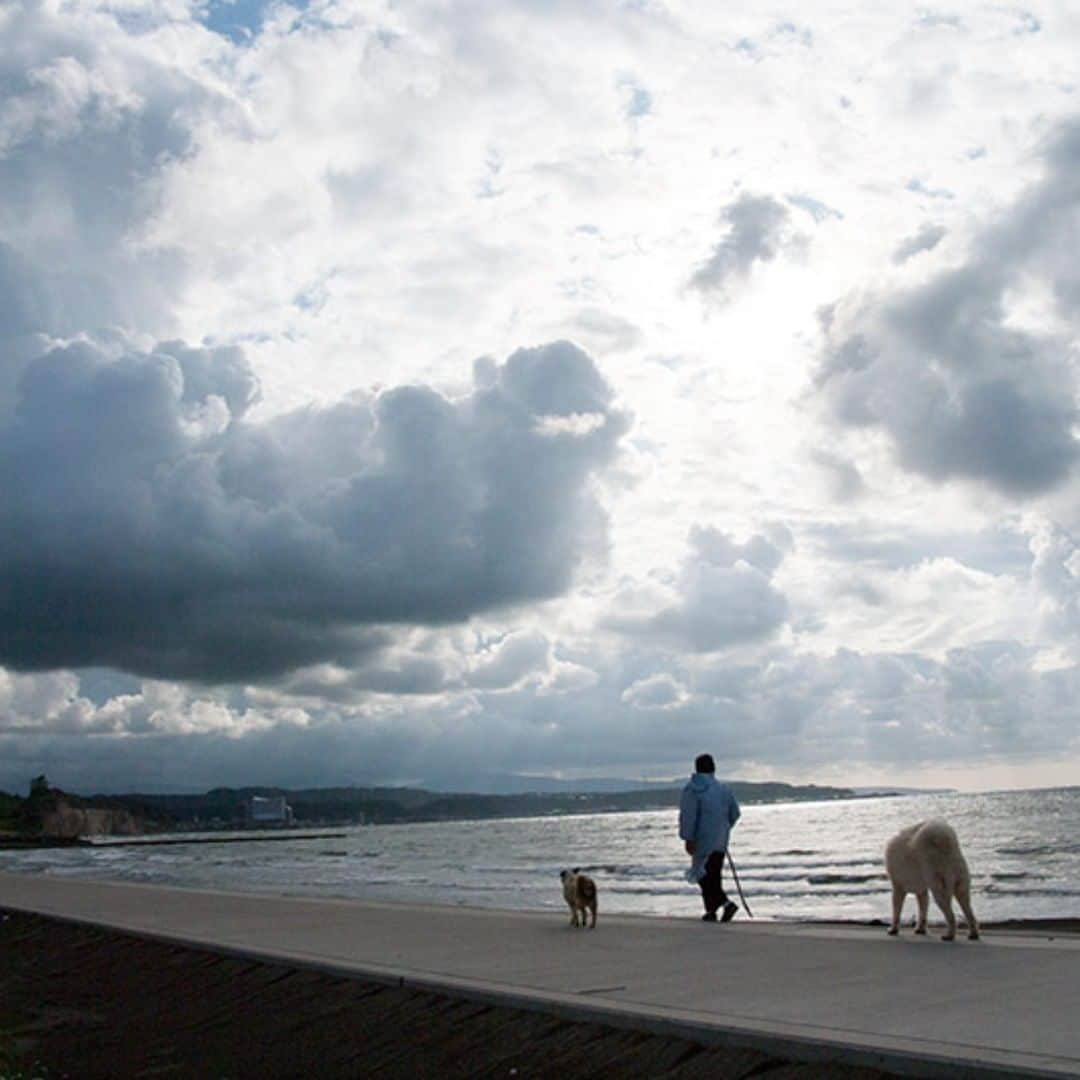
735	875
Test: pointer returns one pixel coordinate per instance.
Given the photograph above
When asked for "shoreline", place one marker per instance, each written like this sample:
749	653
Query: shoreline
1066	924
1060	924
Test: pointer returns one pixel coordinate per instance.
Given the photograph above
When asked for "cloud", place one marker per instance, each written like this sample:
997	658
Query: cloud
152	527
946	369
90	115
721	597
926	239
608	332
802	713
331	199
843	478
818	210
395	669
1000	548
756	234
518	656
655	692
1056	574
637	101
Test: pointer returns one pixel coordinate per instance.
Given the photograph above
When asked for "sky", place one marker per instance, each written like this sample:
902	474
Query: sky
397	391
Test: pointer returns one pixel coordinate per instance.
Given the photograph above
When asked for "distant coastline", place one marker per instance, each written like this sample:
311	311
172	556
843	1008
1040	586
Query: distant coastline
50	817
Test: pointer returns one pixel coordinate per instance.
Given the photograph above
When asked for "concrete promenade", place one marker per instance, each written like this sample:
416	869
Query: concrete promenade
1004	1006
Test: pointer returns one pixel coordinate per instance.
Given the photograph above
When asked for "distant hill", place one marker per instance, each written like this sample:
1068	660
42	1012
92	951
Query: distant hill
225	807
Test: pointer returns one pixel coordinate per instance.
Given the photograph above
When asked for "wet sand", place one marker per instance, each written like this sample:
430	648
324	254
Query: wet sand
86	1002
1023	926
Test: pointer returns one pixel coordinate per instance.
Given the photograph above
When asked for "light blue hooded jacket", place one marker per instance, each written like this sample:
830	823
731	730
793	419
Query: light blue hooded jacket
707	810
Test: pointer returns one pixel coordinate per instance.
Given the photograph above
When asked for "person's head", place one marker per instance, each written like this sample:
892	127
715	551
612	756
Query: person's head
704	763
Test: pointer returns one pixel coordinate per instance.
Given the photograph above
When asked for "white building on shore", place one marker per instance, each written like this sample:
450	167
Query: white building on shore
269	810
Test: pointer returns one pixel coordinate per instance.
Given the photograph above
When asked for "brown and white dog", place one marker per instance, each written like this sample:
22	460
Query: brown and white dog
580	892
926	858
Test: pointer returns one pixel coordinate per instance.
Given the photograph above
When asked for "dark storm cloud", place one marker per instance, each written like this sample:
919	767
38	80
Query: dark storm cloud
960	389
755	233
149	526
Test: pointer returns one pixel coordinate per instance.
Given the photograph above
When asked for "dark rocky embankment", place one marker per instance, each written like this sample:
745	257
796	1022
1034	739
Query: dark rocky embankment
79	1001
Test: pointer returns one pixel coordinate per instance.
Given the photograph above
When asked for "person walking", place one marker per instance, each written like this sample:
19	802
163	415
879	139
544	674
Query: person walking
707	811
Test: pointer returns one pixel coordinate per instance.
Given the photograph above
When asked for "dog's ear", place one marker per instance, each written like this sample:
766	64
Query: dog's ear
576	870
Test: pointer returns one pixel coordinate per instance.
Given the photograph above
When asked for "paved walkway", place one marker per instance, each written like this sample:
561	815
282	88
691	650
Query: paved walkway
1004	1006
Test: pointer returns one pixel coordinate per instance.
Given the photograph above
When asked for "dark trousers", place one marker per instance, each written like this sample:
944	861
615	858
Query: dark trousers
712	884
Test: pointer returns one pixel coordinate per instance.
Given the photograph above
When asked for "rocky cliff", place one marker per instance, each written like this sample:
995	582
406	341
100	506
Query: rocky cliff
52	814
65	821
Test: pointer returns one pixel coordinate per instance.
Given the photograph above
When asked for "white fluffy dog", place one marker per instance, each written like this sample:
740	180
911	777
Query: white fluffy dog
927	858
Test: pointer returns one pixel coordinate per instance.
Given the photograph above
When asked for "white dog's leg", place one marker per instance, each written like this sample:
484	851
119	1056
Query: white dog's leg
898	895
963	895
573	916
943	899
924	909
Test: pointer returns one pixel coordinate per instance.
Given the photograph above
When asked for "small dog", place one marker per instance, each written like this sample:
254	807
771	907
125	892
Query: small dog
927	858
580	892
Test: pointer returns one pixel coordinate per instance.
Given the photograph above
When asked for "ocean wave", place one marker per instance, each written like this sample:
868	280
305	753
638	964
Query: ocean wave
405	882
798	875
819	893
844	879
634	870
1040	849
675	889
862	860
997	890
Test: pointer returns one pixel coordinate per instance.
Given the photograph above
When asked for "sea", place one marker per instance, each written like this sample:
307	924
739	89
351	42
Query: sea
795	861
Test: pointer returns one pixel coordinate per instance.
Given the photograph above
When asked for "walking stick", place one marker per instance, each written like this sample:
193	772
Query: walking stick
735	875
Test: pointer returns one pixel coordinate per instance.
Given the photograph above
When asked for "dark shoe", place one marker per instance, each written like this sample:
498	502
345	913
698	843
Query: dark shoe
729	911
709	916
